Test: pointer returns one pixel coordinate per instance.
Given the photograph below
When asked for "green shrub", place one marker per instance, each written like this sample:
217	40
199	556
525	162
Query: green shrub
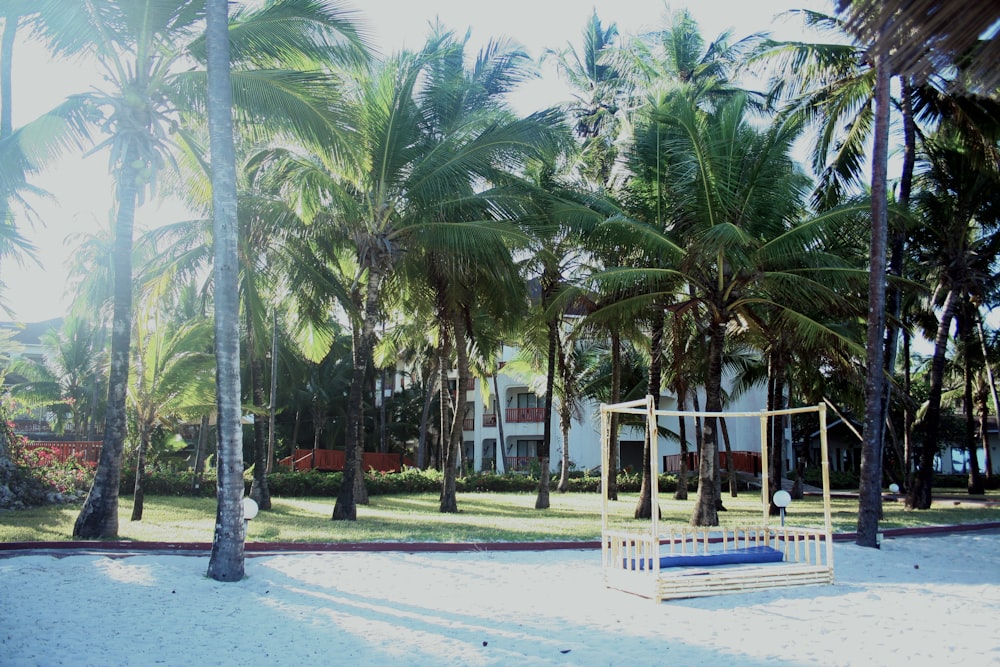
409	480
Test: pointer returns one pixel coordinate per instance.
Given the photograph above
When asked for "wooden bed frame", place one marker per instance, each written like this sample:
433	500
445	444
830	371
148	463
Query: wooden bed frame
685	561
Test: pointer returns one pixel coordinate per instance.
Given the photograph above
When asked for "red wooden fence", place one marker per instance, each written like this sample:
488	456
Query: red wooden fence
333	459
83	450
748	462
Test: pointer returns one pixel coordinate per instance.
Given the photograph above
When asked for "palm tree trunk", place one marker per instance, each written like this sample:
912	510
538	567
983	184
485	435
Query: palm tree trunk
975	486
542	499
644	506
432	389
919	497
500	450
99	516
227	560
449	497
682	476
259	490
897	236
706	508
870	492
991	380
138	493
730	469
908	417
565	416
564	424
616	397
345	508
272	407
199	454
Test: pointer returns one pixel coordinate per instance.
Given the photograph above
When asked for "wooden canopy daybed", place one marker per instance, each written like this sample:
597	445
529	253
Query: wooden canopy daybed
668	562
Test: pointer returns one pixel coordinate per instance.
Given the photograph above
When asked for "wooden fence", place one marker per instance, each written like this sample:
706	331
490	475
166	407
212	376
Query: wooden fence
748	462
333	459
84	450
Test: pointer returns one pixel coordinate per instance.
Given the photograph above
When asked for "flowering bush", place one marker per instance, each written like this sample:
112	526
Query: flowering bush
43	464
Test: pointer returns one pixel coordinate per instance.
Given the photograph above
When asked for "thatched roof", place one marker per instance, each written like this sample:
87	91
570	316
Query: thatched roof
928	36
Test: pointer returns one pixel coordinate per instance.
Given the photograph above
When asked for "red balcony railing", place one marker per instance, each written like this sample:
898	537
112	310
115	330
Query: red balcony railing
469	424
524	415
489	420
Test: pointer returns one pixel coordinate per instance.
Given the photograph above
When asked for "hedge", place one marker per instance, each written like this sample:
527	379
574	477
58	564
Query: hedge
410	480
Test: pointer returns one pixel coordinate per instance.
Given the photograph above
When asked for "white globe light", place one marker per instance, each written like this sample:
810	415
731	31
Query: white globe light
249	508
894	488
782	498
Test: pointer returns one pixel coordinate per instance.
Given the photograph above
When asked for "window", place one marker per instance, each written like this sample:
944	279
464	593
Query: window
527	447
528	401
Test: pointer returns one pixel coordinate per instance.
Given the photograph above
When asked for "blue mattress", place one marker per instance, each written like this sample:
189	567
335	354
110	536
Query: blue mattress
731	557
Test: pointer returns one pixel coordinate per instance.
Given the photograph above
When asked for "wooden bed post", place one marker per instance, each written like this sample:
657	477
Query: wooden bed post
825	468
605	473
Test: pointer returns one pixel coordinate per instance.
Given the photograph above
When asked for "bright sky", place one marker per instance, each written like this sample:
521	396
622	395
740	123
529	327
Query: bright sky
81	194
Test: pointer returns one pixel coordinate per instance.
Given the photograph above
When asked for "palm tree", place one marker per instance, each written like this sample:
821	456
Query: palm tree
678	55
421	143
146	50
734	201
172	378
596	87
226	563
961	243
63	382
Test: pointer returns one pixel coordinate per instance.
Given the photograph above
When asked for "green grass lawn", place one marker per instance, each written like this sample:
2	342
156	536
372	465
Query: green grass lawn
483	517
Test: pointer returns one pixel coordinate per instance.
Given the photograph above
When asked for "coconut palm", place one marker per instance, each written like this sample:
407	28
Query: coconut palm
959	243
902	48
423	141
596	89
734	200
678	55
151	54
171	378
64	381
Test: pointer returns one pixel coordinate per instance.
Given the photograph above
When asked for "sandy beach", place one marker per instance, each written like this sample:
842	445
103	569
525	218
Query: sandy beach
918	600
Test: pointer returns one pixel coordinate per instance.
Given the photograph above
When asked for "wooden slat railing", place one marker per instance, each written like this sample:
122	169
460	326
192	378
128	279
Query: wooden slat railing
84	450
748	462
525	415
333	460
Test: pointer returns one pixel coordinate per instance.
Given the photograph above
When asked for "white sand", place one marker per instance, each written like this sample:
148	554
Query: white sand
918	600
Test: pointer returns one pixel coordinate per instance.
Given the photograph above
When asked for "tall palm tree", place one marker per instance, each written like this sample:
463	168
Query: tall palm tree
735	205
172	378
421	143
146	50
677	54
959	246
226	563
596	88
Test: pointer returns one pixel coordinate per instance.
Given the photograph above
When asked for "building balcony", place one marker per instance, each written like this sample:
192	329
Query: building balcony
469	424
525	415
489	420
519	463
